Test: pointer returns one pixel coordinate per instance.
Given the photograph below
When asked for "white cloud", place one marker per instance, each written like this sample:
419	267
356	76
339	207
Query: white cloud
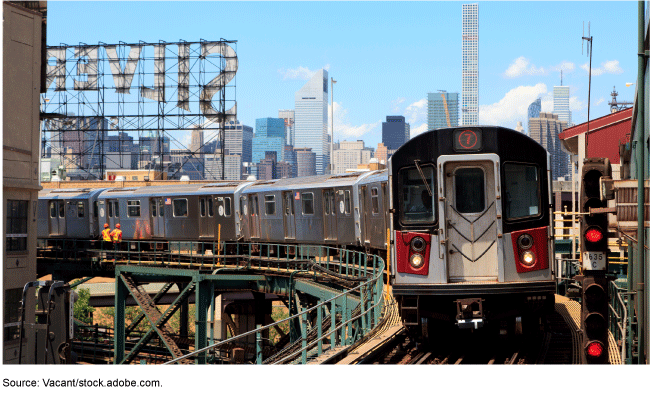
600	101
576	105
513	107
419	129
564	66
416	112
612	67
300	73
395	105
343	129
522	66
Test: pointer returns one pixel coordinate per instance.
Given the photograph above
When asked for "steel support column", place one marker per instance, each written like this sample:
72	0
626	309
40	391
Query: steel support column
202	298
119	342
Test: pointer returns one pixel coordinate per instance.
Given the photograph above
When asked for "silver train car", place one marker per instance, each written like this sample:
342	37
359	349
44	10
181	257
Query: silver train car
470	224
68	213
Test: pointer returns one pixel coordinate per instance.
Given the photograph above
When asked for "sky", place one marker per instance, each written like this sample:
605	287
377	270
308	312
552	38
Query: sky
385	56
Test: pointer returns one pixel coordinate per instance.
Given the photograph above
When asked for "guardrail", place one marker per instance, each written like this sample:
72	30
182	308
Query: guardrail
339	322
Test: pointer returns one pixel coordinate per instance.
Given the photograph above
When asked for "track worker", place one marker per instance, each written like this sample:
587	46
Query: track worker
116	236
107	241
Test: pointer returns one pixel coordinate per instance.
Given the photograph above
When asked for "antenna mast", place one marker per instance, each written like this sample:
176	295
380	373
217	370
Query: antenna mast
590	43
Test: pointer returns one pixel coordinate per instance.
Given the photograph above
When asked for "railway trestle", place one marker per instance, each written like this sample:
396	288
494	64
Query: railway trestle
334	297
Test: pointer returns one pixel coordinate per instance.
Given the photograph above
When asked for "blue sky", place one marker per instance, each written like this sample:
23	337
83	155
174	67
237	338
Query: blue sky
385	56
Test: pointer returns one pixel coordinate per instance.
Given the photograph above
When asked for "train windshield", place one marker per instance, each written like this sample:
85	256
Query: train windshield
522	191
416	205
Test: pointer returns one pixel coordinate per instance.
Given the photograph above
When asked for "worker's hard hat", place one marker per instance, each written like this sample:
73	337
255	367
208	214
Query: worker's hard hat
105	225
117	226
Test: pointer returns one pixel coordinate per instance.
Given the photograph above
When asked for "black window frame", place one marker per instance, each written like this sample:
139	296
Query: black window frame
374	200
269	204
434	192
304	203
484	192
17	226
506	181
133	209
178	200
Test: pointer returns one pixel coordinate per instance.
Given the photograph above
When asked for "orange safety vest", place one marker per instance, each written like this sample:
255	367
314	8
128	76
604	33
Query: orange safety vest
106	234
117	235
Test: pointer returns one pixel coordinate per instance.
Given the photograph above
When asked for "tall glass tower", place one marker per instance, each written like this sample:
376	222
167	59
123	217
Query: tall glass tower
561	104
311	119
442	106
470	65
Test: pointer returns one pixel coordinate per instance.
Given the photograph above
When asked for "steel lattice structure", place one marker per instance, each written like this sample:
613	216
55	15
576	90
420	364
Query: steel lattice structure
123	106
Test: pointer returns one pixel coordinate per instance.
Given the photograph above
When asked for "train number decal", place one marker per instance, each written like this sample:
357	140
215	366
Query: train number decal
468	140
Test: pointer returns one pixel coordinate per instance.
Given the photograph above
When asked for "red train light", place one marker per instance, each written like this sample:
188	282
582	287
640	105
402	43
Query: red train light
595	349
593	234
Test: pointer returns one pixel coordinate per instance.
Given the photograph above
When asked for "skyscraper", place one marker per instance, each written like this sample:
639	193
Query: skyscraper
289	117
561	104
395	131
545	130
239	140
197	142
442	107
533	111
470	65
269	137
311	119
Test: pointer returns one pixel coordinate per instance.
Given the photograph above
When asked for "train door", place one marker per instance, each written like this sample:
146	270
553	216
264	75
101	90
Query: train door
113	206
289	215
329	214
157	212
470	216
57	217
365	216
206	217
254	224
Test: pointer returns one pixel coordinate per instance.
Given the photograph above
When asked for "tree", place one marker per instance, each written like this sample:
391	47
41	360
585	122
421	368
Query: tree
82	310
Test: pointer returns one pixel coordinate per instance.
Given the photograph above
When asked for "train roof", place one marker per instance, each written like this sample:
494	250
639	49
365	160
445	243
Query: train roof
306	182
76	193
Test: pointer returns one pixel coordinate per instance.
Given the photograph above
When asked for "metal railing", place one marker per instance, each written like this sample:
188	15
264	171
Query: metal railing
330	325
618	324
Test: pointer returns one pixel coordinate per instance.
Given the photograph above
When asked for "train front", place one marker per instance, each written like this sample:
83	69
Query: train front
470	229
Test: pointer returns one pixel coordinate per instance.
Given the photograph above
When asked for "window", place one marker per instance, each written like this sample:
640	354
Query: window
154	207
469	190
242	205
348	202
227	206
180	207
202	207
522	191
110	208
16	237
53	209
269	203
374	197
61	209
326	202
308	203
161	208
210	207
12	314
116	206
134	177
81	209
415	203
133	208
95	209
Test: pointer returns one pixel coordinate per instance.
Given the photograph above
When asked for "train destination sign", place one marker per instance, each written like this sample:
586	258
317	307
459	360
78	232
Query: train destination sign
468	140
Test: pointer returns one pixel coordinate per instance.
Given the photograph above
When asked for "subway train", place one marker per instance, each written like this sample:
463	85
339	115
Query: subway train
466	210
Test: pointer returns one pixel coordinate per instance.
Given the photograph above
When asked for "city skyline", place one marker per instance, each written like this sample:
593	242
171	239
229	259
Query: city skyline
518	64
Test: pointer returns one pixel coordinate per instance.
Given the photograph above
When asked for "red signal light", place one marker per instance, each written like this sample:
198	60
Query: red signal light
594	349
593	234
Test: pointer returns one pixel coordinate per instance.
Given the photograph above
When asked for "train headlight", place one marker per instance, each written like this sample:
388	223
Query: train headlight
525	241
528	258
417	261
418	244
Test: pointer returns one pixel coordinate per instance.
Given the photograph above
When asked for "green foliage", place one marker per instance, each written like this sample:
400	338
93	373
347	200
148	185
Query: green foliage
82	309
277	314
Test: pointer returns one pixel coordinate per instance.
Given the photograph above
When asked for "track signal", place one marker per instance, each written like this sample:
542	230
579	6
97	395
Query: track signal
593	226
594	315
594	318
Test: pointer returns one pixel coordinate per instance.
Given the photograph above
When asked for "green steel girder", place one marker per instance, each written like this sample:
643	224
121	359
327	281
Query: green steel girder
322	292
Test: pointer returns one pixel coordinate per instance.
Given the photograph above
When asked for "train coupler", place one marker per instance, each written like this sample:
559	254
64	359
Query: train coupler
469	313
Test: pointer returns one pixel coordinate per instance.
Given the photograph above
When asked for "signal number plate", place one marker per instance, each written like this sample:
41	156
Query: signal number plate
594	260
